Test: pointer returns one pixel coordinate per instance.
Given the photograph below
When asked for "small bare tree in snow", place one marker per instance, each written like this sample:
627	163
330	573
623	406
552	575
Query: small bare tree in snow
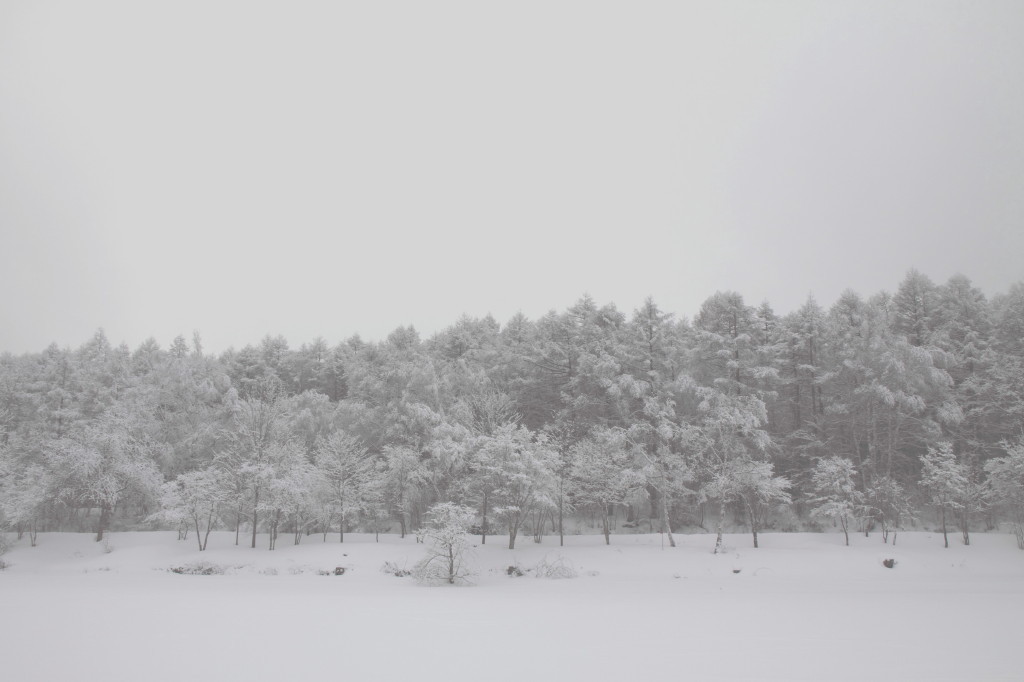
888	504
195	498
24	496
754	484
835	493
290	491
731	443
447	545
523	467
945	481
973	499
602	475
344	466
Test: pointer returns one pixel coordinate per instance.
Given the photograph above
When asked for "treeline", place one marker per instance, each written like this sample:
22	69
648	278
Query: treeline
865	415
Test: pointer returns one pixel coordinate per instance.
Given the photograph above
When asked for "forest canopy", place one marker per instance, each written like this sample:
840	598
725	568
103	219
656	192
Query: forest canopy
871	412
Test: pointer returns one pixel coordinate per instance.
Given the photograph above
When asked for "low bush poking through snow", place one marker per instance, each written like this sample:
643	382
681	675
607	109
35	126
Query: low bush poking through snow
198	568
391	568
558	568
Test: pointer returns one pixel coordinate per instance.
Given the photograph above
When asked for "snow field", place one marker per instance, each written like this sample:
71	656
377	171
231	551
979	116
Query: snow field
801	607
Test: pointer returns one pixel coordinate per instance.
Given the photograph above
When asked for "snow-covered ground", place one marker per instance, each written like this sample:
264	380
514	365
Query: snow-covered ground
802	607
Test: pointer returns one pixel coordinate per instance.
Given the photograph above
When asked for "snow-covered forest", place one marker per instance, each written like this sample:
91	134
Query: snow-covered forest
884	412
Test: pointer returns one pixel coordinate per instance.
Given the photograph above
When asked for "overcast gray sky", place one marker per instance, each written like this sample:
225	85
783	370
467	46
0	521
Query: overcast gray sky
331	168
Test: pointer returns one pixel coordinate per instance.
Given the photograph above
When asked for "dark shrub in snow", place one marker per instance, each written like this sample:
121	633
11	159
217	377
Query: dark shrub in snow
198	568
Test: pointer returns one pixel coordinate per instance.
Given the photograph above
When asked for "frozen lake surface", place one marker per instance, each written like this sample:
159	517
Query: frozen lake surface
801	607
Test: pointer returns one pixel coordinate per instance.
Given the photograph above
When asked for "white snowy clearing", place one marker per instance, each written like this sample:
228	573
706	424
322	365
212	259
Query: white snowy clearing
802	607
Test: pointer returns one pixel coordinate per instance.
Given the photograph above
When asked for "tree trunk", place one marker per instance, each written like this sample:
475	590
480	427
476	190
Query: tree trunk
945	537
273	529
101	525
665	521
753	525
451	565
255	506
607	533
209	525
199	538
561	508
483	522
718	527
